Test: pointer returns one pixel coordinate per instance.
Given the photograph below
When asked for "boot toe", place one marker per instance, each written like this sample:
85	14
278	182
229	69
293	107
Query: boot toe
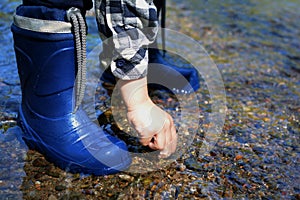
84	148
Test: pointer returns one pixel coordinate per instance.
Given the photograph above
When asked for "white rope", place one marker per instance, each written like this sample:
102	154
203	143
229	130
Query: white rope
79	28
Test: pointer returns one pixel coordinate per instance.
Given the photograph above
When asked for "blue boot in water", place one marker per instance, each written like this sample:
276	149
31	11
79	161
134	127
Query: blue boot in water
180	80
183	80
164	76
48	64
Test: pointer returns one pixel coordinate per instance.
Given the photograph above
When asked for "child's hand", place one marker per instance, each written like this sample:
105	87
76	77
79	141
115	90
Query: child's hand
155	127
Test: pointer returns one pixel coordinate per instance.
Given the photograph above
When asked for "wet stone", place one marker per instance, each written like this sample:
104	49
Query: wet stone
53	174
258	58
52	197
60	187
258	150
297	196
38	175
126	177
88	191
40	162
193	164
72	196
181	167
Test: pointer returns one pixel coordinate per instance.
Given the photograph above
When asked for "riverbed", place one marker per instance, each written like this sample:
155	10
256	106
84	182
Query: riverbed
255	46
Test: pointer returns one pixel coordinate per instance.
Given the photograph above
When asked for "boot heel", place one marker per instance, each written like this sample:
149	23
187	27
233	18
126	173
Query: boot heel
26	136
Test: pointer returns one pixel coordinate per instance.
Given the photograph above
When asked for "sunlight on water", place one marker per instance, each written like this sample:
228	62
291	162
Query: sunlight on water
256	47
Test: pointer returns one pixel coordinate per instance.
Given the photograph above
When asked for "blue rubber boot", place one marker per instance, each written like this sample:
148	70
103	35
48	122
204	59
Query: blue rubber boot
182	80
47	69
178	80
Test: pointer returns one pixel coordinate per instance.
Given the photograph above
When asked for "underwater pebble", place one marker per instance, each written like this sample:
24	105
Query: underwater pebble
60	187
126	177
257	154
88	191
40	162
52	197
239	157
37	185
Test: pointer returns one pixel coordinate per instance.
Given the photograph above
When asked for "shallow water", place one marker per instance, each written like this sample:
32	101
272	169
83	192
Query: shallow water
256	46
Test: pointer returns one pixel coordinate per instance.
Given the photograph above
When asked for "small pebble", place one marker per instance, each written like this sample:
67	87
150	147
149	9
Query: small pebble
239	157
126	177
40	162
181	167
37	185
88	192
52	197
53	174
60	187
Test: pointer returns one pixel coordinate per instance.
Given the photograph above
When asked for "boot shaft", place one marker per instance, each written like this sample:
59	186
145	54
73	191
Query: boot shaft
47	70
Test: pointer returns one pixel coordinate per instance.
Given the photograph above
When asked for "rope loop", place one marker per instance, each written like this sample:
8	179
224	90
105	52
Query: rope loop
79	28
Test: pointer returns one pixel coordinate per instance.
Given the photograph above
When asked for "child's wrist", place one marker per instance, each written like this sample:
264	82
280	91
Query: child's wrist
134	92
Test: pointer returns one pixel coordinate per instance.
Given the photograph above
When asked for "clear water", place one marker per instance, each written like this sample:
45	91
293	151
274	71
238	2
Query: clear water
256	46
